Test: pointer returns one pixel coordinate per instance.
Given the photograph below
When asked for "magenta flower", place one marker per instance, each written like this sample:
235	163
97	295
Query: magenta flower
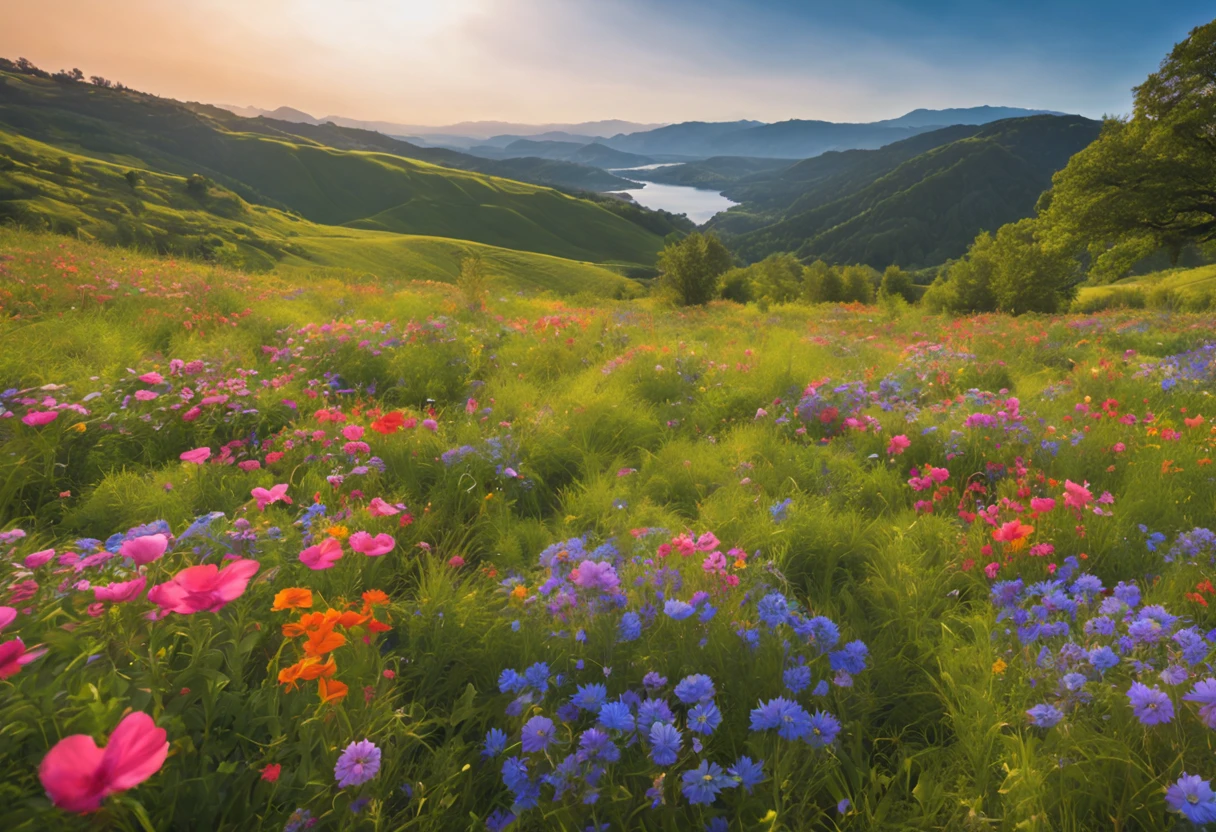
121	592
322	556
205	588
7	616
592	575
152	378
274	494
373	547
379	508
144	550
198	456
898	445
38	418
38	558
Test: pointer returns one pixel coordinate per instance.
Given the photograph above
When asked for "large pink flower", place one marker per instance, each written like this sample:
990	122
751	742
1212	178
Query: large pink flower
7	616
379	508
120	592
274	494
14	656
373	547
38	418
198	456
152	378
38	558
1077	496
77	775
145	549
1042	504
205	588
322	556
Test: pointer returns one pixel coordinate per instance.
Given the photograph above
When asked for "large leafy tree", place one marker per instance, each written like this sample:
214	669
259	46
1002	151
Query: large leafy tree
689	269
1149	181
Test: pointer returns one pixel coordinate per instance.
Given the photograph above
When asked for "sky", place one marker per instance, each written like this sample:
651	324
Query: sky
438	62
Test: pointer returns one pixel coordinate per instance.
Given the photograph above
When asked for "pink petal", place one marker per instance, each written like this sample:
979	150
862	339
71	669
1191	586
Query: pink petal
70	773
136	751
7	616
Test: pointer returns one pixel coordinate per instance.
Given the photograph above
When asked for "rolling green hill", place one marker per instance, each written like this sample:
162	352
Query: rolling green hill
365	189
915	203
42	187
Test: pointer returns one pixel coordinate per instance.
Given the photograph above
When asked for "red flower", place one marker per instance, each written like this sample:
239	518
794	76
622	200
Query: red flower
271	772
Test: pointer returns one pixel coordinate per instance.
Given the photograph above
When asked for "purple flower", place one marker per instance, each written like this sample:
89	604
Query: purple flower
1151	706
1193	797
678	610
704	718
1204	693
702	784
695	688
594	744
590	697
359	763
823	729
748	772
601	576
664	743
537	734
1044	716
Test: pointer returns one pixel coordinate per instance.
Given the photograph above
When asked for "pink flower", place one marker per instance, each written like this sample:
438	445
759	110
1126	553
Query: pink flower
121	592
22	591
322	556
198	456
373	547
145	549
1042	504
379	508
38	418
96	609
1118	447
152	378
898	445
470	406
14	656
145	395
1012	531
707	542
192	414
273	457
276	493
7	616
352	432
455	561
1076	496
205	588
249	465
991	569
430	424
77	775
761	413
38	558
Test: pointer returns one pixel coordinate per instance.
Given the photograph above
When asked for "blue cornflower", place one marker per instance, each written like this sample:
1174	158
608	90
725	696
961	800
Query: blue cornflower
1194	648
1174	675
695	688
1103	658
789	718
1193	797
616	716
1073	682
538	676
773	609
704	718
821	689
718	824
653	681
664	743
852	659
1150	705
498	820
594	744
748	772
509	681
678	610
537	734
702	784
630	627
780	511
823	729
590	697
824	633
515	778
652	711
1044	716
496	742
797	678
1204	693
708	611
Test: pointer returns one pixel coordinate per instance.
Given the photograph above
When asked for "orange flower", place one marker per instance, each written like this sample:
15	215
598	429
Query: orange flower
1194	423
376	627
331	690
389	423
374	598
292	599
322	641
308	623
290	675
307	670
520	592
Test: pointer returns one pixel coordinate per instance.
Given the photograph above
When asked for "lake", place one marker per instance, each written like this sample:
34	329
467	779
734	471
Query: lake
698	204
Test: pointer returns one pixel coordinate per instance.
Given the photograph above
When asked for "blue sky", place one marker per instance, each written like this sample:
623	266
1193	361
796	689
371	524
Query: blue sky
443	61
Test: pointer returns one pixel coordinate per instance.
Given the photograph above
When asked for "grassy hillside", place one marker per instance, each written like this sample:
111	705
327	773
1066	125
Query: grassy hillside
327	185
44	188
916	203
1192	289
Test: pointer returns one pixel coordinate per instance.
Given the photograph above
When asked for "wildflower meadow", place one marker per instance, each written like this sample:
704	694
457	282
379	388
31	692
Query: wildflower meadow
322	552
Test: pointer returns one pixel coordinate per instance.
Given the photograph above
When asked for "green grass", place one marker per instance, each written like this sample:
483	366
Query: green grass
1190	289
92	199
372	190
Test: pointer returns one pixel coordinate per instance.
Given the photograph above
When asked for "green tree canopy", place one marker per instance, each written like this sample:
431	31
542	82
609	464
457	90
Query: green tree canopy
1149	181
689	269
